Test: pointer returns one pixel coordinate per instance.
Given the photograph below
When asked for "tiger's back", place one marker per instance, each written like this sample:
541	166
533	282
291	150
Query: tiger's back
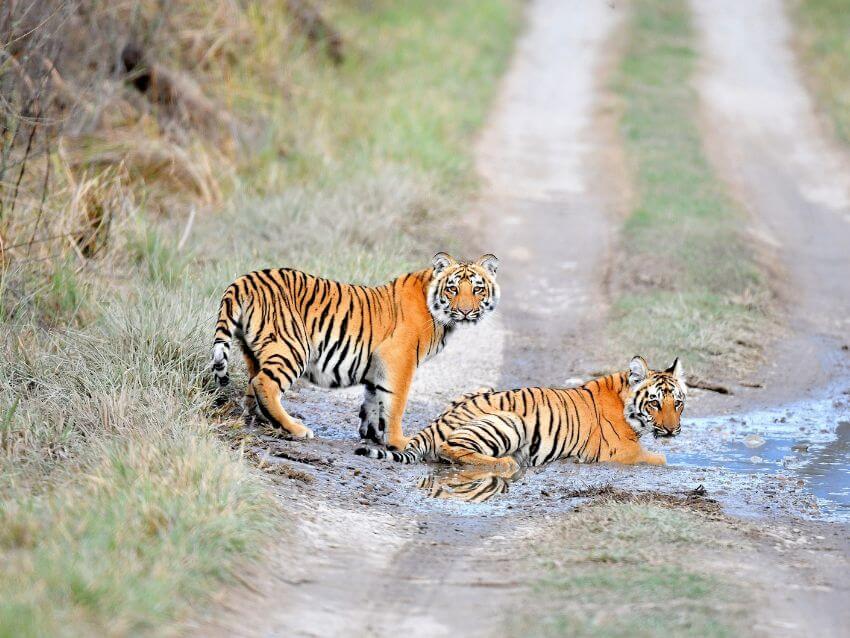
331	327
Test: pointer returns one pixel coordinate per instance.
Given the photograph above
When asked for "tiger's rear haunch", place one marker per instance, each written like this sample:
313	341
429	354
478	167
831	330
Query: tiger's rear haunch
602	420
291	324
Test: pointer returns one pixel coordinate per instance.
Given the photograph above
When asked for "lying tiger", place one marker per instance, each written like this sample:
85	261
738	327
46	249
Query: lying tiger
291	324
602	420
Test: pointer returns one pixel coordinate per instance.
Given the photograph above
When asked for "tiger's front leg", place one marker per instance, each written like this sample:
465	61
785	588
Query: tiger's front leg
634	454
398	366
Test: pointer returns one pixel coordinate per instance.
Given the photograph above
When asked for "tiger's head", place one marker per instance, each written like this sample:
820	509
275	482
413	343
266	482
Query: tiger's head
656	398
462	291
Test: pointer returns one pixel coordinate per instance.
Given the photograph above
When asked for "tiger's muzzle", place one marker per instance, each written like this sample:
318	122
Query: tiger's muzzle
661	432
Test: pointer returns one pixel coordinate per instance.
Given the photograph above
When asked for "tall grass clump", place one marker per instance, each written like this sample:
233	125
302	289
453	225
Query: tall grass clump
118	506
687	282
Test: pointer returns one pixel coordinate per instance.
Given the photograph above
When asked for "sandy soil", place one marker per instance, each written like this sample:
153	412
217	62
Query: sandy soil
369	553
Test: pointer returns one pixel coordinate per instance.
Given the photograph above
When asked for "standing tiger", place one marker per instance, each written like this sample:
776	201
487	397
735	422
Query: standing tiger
291	324
602	420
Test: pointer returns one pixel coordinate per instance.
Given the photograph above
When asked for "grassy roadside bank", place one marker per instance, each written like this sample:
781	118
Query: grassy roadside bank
821	34
625	567
687	282
119	505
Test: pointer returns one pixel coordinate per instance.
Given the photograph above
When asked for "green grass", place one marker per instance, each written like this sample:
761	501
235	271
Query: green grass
119	505
687	280
822	31
156	256
121	508
413	89
364	165
631	569
124	546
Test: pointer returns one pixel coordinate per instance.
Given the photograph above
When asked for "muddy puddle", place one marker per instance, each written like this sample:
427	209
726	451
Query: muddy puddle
793	459
807	440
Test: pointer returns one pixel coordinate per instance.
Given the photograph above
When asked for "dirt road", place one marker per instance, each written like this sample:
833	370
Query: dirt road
401	562
769	144
771	147
369	553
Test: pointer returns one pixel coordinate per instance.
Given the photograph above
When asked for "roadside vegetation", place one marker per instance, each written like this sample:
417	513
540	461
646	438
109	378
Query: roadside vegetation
687	281
822	28
152	153
626	567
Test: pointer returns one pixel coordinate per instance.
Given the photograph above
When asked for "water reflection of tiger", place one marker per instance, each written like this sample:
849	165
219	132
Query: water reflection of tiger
602	420
471	486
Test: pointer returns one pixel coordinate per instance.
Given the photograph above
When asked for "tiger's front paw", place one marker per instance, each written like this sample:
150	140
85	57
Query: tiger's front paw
653	458
507	466
370	432
298	430
398	443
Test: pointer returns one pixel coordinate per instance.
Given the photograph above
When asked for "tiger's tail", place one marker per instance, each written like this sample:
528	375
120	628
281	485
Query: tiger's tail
425	443
229	316
407	456
415	451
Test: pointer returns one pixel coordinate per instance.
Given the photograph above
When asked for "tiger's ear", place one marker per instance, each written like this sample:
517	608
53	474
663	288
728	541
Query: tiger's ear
676	370
489	262
638	371
441	261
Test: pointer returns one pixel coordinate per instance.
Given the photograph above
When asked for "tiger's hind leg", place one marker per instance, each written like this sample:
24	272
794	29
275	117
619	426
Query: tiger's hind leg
634	453
249	403
279	366
487	441
372	418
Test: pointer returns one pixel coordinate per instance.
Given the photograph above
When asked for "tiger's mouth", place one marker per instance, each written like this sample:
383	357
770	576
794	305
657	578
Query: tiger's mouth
664	433
472	316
